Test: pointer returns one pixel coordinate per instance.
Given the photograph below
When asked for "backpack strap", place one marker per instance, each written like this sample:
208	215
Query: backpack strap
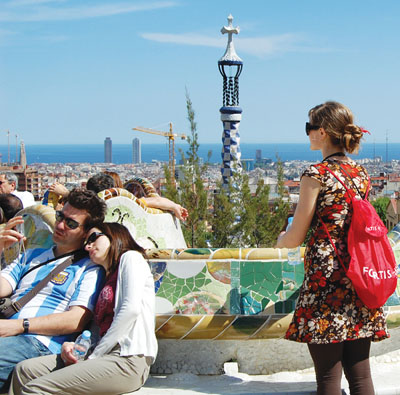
352	194
349	191
351	179
330	239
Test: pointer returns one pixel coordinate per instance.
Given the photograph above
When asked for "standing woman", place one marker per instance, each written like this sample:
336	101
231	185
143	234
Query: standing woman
125	314
329	316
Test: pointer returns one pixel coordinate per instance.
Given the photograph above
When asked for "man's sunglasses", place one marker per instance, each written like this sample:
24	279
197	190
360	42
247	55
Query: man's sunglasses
71	223
310	127
93	237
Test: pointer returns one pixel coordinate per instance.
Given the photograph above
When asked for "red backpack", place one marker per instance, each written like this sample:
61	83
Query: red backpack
373	268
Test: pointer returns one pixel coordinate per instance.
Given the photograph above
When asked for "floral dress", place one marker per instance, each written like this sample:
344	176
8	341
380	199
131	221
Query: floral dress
328	309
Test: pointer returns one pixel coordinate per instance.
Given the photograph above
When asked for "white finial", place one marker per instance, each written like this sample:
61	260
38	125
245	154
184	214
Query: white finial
230	53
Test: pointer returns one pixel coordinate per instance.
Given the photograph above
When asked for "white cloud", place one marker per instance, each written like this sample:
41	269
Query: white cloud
19	3
186	39
34	11
258	46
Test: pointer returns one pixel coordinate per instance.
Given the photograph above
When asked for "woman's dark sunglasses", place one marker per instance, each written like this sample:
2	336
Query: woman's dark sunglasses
71	223
93	237
310	127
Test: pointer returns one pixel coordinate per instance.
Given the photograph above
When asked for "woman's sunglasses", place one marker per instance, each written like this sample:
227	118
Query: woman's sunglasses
93	237
310	127
71	223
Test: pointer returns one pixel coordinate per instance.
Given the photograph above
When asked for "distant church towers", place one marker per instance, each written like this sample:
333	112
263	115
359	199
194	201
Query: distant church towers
136	151
107	150
230	67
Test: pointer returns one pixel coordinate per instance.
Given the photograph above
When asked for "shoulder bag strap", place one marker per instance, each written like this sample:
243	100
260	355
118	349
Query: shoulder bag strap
48	261
21	302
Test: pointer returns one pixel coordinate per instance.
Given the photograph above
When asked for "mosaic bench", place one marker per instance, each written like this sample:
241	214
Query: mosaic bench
218	305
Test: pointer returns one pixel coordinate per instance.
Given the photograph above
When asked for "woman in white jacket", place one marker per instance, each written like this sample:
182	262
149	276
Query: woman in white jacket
125	314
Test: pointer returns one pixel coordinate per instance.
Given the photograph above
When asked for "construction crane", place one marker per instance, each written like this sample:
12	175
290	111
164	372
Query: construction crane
171	144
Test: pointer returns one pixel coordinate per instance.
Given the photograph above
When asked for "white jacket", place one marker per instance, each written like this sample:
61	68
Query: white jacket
133	326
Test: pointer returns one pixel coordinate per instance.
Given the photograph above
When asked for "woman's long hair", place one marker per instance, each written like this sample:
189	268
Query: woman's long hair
121	241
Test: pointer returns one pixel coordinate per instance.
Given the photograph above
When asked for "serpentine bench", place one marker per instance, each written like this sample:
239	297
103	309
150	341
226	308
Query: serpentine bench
215	305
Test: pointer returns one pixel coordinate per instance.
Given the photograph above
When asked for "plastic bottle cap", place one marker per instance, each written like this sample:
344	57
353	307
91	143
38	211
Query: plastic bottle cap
86	334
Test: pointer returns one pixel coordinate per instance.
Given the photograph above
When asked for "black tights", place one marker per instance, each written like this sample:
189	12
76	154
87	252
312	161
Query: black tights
352	356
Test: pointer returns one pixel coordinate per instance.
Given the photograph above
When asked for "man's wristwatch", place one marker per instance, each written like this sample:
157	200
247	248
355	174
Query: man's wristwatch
25	324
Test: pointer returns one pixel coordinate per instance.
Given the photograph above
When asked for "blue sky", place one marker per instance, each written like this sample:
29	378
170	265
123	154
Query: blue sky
77	71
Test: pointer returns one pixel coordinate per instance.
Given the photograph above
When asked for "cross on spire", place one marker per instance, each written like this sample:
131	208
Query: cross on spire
230	53
230	29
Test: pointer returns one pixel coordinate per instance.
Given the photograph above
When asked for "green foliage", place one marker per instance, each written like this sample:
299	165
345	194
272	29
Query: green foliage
223	218
243	220
261	232
171	191
380	204
193	196
270	219
244	214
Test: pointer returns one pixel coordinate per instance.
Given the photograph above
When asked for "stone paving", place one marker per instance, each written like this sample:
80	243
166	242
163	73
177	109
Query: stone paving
386	378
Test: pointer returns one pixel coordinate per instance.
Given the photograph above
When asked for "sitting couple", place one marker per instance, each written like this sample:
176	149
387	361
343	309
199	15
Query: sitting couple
46	325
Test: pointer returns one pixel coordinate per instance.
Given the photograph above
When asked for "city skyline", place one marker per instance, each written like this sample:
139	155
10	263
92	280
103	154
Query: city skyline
83	70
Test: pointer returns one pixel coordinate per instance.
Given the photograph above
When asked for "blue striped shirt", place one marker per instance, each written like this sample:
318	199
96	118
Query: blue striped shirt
77	285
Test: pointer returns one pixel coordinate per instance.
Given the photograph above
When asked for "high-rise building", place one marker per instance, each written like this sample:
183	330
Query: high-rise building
107	150
258	155
136	151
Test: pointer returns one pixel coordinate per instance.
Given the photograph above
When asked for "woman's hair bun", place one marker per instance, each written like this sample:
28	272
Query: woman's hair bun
351	137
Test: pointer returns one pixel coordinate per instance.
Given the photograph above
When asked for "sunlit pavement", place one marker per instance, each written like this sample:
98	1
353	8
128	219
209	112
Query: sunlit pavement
386	377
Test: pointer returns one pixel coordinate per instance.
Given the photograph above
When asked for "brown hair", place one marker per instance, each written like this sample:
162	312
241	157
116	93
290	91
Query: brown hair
337	121
121	242
83	199
117	180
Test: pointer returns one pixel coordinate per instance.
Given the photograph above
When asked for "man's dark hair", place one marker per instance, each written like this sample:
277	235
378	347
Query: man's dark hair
10	205
100	182
82	199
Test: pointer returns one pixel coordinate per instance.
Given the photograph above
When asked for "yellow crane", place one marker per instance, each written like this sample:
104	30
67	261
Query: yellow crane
171	144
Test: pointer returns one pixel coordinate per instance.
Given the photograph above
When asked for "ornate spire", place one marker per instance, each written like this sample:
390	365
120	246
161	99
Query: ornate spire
230	55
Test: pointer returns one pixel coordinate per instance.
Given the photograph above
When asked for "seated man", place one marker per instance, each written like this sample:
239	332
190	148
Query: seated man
9	184
63	307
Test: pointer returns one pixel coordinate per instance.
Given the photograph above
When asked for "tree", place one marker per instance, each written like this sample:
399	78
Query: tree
244	211
270	219
193	196
263	219
171	191
223	218
380	205
280	208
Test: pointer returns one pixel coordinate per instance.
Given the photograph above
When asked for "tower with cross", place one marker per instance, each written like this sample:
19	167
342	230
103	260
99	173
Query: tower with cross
230	67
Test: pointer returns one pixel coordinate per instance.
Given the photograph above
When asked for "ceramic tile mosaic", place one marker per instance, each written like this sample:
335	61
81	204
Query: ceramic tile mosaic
253	296
149	227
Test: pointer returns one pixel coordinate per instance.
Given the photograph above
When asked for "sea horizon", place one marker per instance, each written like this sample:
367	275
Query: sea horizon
122	153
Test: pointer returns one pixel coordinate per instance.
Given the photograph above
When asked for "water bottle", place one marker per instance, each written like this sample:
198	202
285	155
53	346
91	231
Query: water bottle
293	255
82	345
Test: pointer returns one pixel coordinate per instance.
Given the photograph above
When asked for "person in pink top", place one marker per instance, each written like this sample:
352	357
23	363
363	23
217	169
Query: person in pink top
125	315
